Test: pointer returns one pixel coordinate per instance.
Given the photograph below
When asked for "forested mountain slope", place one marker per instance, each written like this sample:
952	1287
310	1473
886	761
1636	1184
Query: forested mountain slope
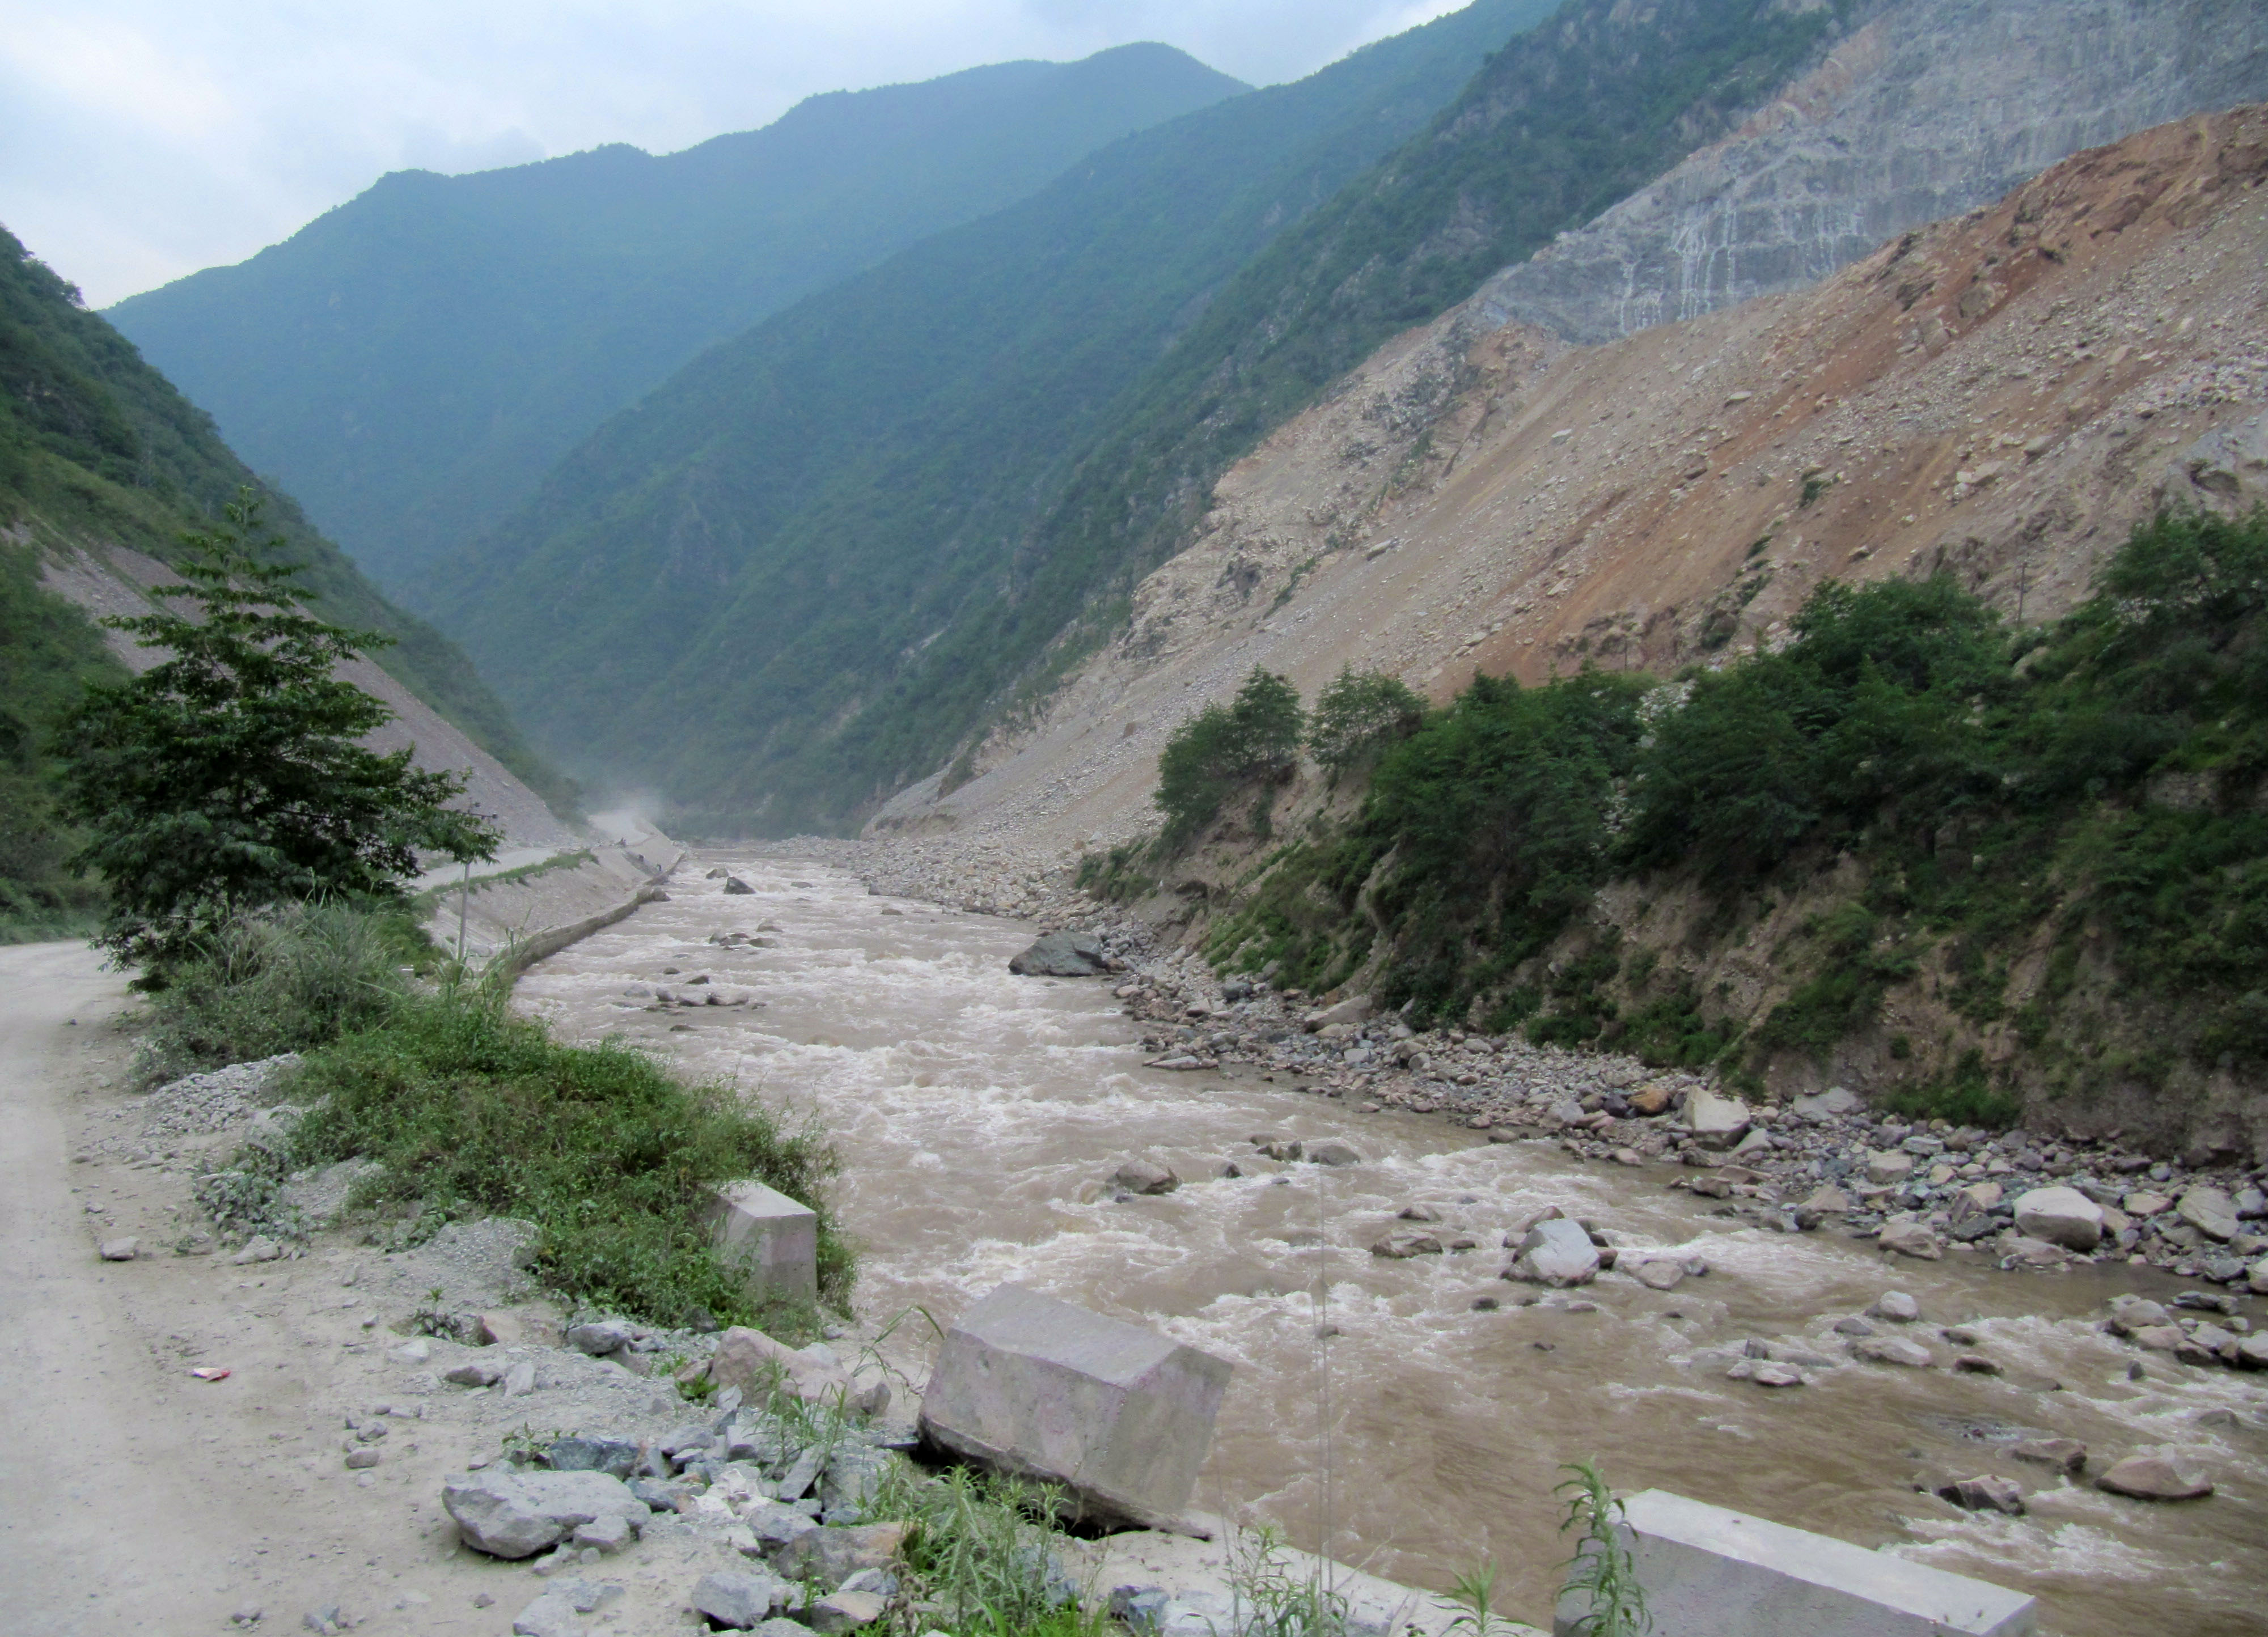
411	362
800	574
99	453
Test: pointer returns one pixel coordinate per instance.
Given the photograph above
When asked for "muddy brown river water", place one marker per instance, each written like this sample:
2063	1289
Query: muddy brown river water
1375	1414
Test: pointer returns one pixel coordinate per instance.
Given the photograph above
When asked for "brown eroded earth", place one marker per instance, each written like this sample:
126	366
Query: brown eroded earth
2003	395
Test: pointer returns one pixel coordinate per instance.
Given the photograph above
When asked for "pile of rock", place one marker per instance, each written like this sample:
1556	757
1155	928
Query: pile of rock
785	1497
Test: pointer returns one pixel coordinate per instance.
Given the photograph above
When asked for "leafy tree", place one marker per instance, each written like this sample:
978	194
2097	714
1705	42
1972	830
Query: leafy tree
1359	715
229	776
1224	746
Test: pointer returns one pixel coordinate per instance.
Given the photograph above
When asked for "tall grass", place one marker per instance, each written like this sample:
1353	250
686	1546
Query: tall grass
288	980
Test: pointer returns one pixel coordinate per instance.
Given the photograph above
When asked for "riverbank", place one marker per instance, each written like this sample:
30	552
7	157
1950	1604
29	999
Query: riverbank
1922	1189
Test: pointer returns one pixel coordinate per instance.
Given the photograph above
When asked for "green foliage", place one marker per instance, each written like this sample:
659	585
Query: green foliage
229	776
289	980
97	445
49	651
983	1553
471	1112
1359	715
1601	1575
2107	789
1223	748
1269	1600
1500	814
412	363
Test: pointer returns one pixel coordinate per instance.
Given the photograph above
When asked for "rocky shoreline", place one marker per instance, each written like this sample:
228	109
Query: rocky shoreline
2025	1201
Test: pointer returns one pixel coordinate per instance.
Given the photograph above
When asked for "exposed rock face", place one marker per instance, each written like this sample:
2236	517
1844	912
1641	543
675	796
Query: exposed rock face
1930	109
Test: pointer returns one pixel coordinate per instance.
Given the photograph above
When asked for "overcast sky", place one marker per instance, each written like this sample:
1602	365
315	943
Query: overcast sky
143	139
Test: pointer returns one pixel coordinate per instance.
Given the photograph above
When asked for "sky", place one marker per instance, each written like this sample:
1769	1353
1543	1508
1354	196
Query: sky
141	140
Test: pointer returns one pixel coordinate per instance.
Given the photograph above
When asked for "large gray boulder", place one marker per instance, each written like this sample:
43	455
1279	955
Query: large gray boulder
1120	1415
2062	1217
1061	955
1556	1252
740	1599
517	1514
1716	1122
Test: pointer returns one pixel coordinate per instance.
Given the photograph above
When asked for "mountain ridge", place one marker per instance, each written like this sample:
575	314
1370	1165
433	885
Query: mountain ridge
410	361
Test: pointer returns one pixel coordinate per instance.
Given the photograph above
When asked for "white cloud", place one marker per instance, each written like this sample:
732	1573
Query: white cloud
142	139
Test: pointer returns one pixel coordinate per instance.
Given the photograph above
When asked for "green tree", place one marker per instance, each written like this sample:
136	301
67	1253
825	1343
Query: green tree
229	776
1360	714
1223	746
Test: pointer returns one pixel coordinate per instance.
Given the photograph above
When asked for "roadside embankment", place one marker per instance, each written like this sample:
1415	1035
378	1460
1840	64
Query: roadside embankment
520	914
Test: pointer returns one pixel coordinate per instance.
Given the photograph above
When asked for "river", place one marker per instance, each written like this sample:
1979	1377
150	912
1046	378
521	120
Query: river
1374	1411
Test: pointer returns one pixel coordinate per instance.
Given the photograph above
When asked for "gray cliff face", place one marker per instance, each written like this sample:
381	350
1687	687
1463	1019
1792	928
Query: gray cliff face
1932	109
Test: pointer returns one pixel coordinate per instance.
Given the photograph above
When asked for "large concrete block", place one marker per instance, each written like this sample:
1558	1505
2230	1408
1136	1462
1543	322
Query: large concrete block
1708	1572
771	1237
1119	1415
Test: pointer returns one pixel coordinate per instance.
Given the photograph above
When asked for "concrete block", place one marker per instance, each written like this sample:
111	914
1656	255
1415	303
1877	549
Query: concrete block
1119	1415
1709	1571
772	1238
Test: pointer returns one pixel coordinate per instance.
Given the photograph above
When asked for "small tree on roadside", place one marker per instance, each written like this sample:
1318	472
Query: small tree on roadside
1223	746
229	776
1359	715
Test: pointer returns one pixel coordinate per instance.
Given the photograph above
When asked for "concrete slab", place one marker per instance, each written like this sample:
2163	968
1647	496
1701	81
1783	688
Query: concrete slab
1197	1578
773	1240
1118	1415
1709	1571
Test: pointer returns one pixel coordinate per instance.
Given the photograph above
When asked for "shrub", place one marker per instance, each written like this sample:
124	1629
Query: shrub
1359	715
1224	747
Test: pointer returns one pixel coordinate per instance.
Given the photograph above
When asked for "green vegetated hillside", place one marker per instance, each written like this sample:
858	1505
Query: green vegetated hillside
412	363
1983	873
96	447
811	567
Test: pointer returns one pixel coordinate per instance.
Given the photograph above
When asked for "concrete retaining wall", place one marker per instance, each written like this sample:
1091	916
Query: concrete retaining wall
519	920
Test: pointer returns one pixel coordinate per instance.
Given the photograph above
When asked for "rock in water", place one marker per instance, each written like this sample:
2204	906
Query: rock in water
2157	1478
2062	1217
1142	1175
1984	1494
1910	1239
1061	955
1891	1350
1118	1415
1556	1252
1330	1152
1896	1306
739	888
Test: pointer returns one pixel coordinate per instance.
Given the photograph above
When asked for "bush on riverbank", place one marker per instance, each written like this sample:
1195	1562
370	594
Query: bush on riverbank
472	1111
2058	835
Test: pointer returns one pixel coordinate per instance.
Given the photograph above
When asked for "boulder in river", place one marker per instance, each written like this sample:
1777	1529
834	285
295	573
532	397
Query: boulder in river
2176	1477
1061	955
739	888
1331	1152
1145	1176
2062	1217
1556	1252
1910	1238
1984	1494
1118	1415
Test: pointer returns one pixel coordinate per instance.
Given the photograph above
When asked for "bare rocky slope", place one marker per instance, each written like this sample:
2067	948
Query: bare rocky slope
106	580
2004	395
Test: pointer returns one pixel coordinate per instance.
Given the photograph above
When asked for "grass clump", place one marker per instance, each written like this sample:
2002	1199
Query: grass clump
288	980
472	1111
980	1557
